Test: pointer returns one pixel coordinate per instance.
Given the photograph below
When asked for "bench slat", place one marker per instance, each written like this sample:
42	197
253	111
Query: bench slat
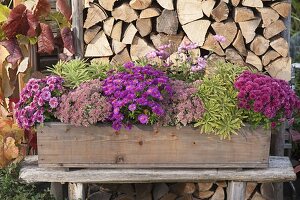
280	170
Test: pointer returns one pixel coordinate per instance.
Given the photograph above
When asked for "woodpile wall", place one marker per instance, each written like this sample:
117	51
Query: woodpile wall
175	191
117	31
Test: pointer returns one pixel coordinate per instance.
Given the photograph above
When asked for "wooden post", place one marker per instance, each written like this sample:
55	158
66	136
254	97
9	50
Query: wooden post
77	24
76	191
56	190
236	190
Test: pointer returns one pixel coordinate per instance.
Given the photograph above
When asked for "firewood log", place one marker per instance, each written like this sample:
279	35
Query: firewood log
211	44
108	25
250	189
162	39
227	29
242	14
235	2
150	12
183	188
125	13
248	29
234	57
120	59
281	46
268	16
208	6
269	56
189	10
239	44
280	68
254	60
274	29
204	194
166	4
139	48
144	26
204	186
140	4
221	12
219	194
283	8
107	4
259	45
90	34
117	31
129	34
117	46
253	3
95	15
99	46
196	30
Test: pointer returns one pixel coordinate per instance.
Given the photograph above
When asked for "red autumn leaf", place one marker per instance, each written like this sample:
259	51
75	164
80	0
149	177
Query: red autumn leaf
20	21
46	39
15	53
41	8
64	8
67	37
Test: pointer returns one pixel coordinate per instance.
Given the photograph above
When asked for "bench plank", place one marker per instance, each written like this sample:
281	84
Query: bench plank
280	170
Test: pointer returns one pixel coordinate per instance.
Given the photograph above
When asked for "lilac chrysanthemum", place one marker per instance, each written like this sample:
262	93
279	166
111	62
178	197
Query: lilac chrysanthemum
38	101
183	107
84	106
136	95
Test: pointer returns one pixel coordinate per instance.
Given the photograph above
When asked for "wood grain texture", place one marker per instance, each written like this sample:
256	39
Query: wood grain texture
143	146
77	24
280	170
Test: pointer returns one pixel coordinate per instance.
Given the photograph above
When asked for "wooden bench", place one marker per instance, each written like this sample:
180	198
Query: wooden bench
280	170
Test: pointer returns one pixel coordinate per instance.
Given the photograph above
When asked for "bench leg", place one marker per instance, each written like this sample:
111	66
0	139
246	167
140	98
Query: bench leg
56	189
76	191
236	190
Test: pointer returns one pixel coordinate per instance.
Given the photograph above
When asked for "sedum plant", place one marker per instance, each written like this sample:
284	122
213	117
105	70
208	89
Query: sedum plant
75	72
222	116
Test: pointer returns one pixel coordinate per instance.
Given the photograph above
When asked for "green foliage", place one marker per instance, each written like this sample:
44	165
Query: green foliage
11	188
256	119
222	116
77	71
295	26
60	19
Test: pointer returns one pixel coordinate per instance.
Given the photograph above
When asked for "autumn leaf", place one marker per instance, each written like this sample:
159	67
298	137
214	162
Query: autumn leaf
41	8
20	21
4	54
67	37
64	8
15	53
46	39
4	13
11	151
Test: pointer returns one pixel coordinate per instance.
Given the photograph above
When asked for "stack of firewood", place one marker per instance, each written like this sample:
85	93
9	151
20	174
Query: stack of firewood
117	31
175	191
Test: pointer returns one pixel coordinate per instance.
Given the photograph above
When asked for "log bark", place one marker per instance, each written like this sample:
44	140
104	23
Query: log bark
166	4
281	46
204	194
167	22
228	30
197	35
149	13
189	10
125	13
144	26
248	29
239	44
221	12
95	15
242	14
140	4
90	34
99	46
259	45
274	29
208	6
282	8
129	34
254	60
269	56
268	16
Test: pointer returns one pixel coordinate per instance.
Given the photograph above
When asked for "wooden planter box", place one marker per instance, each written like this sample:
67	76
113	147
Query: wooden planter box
63	145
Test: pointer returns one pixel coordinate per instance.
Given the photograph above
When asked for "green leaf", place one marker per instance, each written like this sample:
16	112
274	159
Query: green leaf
60	19
4	13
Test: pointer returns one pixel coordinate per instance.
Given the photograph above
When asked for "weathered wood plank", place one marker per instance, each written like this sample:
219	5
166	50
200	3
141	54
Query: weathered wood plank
77	24
76	191
236	190
280	170
63	145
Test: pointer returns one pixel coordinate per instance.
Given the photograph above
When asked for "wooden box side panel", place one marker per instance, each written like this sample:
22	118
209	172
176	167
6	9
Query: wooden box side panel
69	146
